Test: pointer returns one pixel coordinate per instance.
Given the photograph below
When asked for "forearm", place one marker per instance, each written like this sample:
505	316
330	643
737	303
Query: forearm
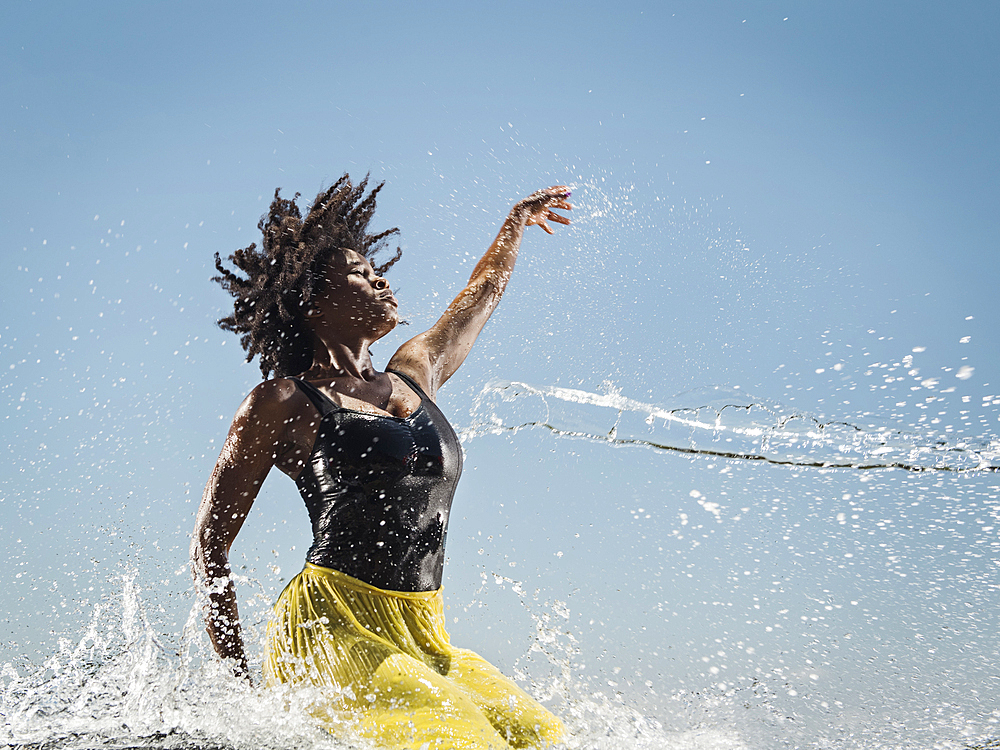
223	624
222	620
435	354
497	263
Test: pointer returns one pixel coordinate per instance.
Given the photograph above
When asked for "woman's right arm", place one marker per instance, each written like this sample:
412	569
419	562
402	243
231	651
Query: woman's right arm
433	356
255	440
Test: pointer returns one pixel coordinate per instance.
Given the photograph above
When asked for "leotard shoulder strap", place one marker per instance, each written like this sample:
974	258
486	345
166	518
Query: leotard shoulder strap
410	382
323	403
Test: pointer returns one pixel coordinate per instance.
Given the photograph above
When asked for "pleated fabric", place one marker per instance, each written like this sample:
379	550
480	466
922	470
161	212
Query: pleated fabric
383	665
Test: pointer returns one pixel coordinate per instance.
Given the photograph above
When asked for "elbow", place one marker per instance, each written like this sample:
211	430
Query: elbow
198	559
208	557
485	289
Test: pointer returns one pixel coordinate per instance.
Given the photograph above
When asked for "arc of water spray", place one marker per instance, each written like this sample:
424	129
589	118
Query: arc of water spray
723	423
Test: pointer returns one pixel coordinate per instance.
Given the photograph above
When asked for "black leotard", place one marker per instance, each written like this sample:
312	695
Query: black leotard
379	490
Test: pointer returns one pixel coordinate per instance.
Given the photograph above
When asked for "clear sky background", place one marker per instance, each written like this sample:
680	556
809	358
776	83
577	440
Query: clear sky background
765	191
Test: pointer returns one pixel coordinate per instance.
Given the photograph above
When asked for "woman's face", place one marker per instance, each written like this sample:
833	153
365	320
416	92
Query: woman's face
354	298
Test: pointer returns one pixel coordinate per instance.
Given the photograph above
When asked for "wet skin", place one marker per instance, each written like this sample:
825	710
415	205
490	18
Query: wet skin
276	425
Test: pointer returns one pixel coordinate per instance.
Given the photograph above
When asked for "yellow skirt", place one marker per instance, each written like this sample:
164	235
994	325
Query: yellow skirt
384	665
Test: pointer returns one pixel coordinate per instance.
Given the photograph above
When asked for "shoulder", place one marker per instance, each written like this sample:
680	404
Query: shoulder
412	361
272	402
272	394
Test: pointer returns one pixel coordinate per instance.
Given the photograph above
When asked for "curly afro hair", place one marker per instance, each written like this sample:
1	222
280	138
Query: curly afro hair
284	274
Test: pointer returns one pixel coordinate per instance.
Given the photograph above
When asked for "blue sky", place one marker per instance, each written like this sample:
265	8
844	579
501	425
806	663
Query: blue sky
764	190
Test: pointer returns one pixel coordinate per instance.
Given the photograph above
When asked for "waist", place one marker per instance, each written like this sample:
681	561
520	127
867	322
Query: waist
345	581
391	539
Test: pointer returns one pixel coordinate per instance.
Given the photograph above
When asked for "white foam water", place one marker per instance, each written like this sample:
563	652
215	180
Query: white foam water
123	685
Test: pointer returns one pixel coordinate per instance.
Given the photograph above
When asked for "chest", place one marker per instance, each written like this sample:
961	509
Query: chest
356	447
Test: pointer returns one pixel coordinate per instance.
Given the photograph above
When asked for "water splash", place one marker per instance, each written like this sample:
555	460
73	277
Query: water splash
122	685
126	681
724	422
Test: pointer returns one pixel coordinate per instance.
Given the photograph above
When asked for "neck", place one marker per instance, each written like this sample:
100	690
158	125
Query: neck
335	356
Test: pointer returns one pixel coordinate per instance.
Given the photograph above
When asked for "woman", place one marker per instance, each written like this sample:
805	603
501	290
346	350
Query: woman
376	463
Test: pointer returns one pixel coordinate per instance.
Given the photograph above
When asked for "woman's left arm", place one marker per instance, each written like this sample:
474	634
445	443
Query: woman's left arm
433	356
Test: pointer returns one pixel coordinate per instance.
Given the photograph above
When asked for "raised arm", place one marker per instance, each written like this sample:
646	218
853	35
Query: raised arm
433	356
254	442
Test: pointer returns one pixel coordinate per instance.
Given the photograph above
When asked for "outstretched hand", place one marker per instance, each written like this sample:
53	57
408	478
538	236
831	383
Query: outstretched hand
537	207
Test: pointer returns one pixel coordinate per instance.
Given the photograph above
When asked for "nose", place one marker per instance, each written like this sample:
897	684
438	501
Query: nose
379	283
